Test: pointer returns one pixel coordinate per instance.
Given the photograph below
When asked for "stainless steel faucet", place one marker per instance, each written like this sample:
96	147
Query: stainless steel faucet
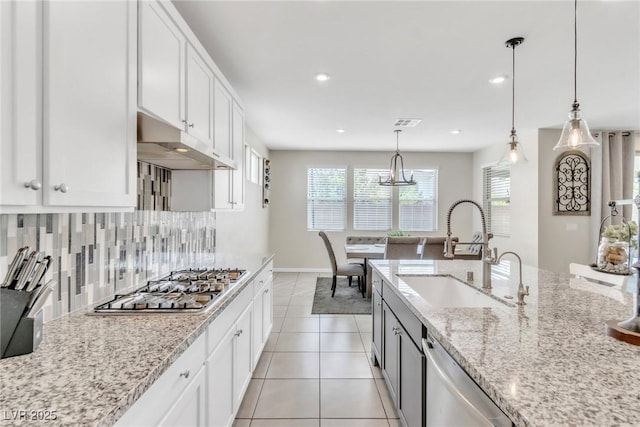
522	290
487	258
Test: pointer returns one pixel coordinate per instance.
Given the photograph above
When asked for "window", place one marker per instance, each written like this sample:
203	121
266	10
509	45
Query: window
418	209
495	188
326	198
256	160
371	202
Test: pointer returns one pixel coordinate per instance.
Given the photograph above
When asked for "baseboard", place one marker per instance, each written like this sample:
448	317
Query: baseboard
301	270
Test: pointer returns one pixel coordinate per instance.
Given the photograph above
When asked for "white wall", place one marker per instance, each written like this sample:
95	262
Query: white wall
562	239
298	248
245	231
524	201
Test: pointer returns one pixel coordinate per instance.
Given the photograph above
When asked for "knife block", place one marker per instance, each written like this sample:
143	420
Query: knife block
18	334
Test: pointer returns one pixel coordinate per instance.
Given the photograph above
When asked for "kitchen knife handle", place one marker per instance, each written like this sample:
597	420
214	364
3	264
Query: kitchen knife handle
41	299
27	270
39	274
14	267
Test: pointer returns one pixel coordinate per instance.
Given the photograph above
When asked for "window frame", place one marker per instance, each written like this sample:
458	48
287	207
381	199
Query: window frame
323	227
354	201
487	200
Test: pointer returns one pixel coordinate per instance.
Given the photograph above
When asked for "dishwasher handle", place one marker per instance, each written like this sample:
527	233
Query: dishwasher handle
427	349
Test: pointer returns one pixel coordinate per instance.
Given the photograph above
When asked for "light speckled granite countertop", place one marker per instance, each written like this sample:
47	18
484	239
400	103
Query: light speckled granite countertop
91	369
548	363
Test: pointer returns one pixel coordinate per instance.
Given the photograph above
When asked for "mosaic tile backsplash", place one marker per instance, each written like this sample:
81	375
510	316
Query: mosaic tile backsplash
98	254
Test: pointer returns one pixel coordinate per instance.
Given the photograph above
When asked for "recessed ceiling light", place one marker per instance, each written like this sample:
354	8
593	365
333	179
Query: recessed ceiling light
182	150
322	77
498	79
340	130
456	131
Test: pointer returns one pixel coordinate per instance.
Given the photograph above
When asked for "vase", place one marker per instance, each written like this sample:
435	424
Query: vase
613	256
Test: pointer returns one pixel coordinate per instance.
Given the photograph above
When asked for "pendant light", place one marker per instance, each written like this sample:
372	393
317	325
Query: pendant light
396	176
513	152
575	132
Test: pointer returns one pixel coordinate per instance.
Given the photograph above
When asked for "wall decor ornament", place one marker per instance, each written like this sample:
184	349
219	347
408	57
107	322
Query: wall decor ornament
572	184
266	183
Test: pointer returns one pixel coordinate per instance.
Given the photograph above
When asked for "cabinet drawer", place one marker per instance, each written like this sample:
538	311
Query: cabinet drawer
376	282
409	321
263	277
148	410
221	325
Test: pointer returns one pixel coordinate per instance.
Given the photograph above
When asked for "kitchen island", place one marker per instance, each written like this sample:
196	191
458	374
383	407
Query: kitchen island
90	369
546	363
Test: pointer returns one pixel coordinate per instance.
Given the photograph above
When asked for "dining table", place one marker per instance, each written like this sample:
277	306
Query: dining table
365	252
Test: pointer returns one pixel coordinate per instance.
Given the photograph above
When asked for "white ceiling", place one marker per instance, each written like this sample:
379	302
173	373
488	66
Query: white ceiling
420	59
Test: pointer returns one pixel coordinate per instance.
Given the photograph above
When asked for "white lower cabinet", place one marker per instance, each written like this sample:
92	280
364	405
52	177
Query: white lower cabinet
189	408
173	393
220	383
206	384
230	364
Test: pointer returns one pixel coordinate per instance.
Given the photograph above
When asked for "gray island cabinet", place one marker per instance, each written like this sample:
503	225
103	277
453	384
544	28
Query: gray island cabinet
496	359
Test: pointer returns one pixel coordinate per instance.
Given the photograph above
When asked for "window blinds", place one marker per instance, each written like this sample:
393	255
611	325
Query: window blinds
496	188
418	209
371	202
326	198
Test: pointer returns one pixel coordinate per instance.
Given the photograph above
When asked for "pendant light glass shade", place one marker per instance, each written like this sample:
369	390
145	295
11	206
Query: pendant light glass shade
575	132
396	176
513	152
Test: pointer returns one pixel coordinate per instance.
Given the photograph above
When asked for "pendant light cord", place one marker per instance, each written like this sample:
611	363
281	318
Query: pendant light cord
513	89
575	53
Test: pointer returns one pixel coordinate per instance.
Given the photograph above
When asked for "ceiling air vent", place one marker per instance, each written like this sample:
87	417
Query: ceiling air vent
407	123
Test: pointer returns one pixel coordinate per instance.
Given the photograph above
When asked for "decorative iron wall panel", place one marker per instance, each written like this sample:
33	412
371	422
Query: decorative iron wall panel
572	184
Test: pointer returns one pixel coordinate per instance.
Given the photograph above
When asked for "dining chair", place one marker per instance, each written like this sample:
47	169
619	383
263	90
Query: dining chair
403	247
362	240
349	270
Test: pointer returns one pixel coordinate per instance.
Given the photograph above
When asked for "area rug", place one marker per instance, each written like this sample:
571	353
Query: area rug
347	300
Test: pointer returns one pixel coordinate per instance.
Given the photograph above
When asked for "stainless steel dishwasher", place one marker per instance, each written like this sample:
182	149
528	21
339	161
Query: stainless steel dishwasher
452	398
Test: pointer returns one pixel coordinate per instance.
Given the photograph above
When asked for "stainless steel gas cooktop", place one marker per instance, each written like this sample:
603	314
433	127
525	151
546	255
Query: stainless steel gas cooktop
192	290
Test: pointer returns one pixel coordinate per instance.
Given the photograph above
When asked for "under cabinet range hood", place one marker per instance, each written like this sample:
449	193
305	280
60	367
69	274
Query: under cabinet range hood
164	145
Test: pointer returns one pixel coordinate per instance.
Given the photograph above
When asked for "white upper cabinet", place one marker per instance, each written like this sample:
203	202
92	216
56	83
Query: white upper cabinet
175	82
69	125
20	138
223	110
161	69
89	103
230	184
200	84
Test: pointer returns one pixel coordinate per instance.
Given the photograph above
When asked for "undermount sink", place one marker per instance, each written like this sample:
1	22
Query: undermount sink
446	291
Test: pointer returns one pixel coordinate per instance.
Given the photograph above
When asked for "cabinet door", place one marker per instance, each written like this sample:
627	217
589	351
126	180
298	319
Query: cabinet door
390	351
258	319
243	359
222	119
89	108
189	408
267	309
20	114
411	380
376	314
161	65
200	84
237	176
220	383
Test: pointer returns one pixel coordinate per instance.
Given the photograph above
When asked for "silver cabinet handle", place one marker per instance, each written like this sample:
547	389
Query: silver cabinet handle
238	333
63	188
34	184
191	125
185	374
266	291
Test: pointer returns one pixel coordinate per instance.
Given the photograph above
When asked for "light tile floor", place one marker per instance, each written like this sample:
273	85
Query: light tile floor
315	370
